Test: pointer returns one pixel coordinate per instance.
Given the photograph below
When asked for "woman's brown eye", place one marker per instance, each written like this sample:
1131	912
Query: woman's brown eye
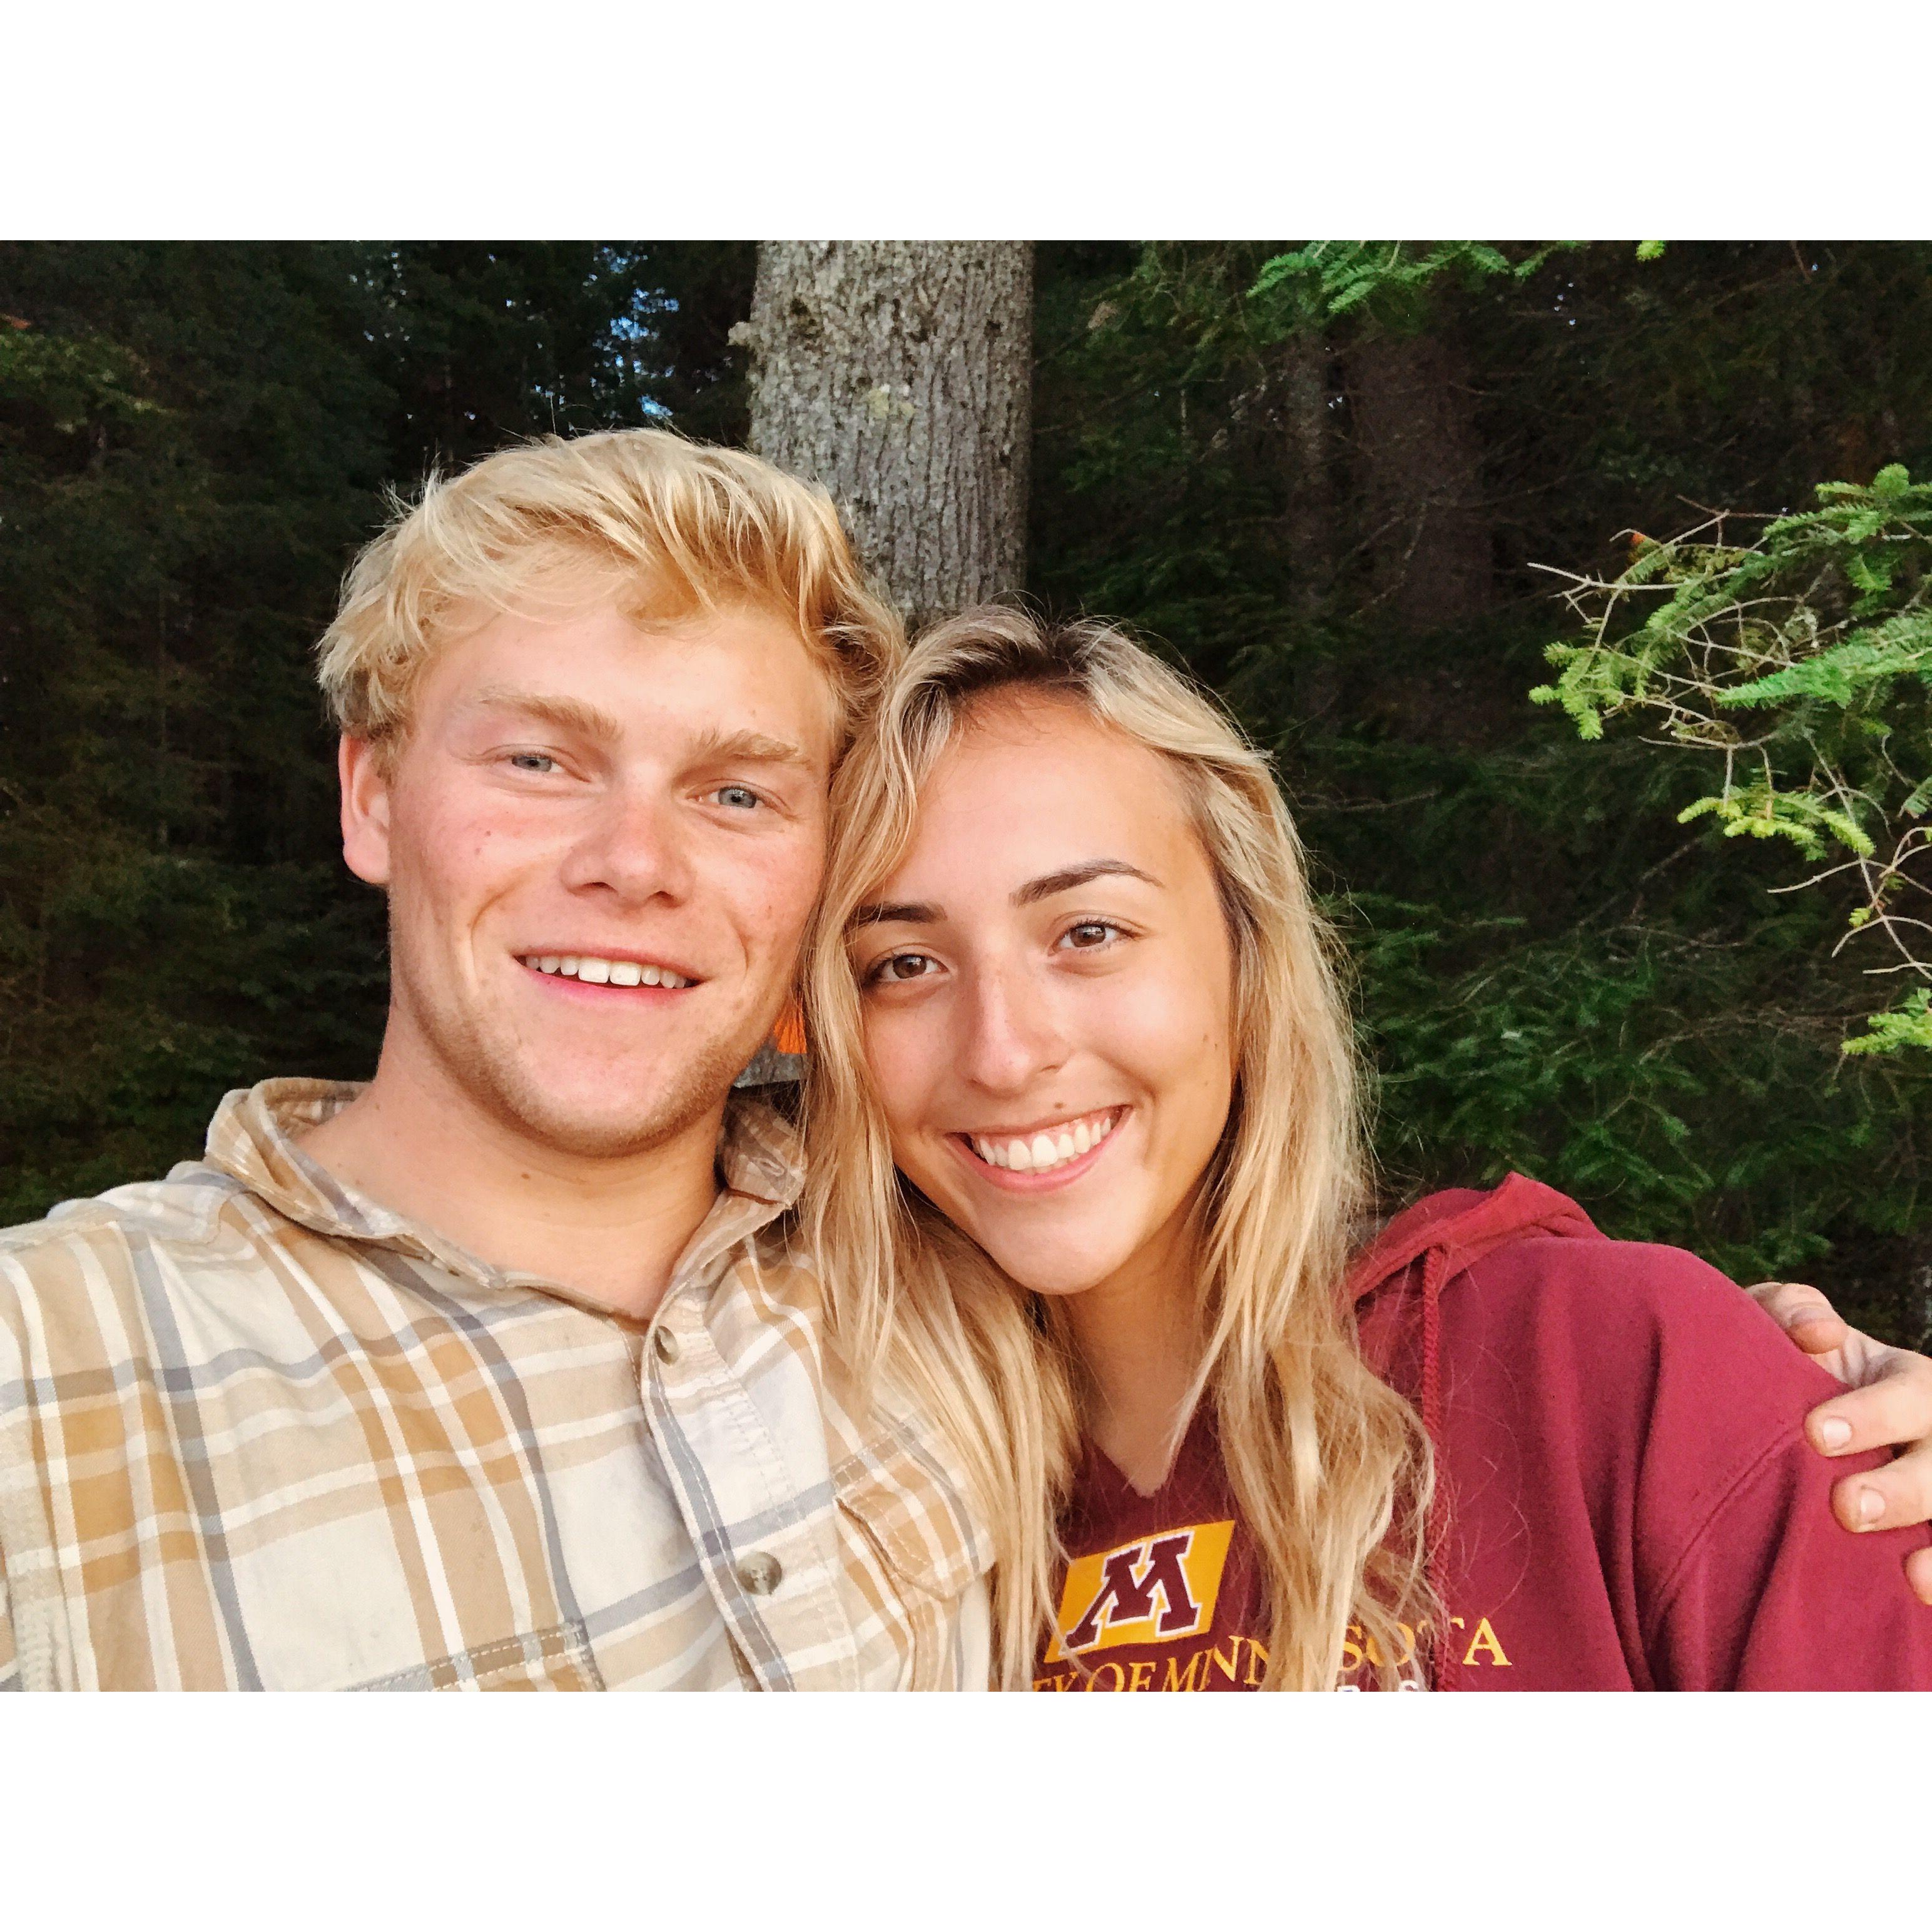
1092	932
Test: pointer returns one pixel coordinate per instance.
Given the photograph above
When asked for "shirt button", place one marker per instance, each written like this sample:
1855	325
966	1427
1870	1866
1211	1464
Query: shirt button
759	1575
668	1346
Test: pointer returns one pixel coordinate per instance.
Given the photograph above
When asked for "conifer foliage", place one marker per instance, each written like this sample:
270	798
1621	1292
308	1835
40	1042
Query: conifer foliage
1799	666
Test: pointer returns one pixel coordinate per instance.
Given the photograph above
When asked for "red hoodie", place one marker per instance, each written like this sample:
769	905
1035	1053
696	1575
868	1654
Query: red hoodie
1626	1499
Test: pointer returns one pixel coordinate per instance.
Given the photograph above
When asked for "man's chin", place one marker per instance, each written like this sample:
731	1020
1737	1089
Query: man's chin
585	1136
610	1121
553	1095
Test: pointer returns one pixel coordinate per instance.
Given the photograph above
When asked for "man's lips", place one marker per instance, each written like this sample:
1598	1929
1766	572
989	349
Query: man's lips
616	971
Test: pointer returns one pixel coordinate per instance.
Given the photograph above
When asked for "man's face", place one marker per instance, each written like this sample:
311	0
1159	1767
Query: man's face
601	841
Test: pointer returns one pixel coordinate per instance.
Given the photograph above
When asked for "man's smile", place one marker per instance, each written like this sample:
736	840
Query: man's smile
591	969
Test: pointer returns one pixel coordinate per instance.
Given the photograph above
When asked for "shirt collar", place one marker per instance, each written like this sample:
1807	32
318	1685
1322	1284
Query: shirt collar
253	1138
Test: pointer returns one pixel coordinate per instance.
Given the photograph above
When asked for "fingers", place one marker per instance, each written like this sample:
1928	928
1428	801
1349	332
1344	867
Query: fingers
1892	1411
1804	1312
1919	1574
1892	1498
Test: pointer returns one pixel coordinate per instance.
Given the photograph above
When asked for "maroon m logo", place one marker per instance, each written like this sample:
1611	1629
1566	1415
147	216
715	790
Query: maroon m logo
1126	1595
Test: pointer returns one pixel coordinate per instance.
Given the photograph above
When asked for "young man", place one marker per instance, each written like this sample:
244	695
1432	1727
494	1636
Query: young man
495	1373
490	1374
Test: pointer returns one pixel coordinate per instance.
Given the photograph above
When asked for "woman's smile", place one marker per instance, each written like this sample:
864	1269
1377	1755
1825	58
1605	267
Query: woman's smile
1037	1160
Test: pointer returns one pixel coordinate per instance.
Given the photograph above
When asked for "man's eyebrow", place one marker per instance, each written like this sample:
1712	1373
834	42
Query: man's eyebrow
750	747
906	913
575	714
1045	886
567	714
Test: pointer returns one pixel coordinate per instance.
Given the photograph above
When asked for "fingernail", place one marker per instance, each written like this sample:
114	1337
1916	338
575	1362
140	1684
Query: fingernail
1871	1505
1834	1433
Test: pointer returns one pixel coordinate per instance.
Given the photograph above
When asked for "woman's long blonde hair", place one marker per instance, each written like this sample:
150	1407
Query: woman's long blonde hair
1330	1467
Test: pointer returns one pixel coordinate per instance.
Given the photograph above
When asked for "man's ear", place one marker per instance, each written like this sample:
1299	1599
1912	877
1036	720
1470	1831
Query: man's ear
365	810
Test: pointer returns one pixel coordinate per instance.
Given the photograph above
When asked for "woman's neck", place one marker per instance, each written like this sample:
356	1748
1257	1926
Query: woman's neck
1138	1339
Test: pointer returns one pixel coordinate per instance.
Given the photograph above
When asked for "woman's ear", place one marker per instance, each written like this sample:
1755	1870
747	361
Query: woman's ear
365	810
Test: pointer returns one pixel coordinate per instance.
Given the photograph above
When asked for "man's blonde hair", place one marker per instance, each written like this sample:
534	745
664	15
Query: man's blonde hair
669	527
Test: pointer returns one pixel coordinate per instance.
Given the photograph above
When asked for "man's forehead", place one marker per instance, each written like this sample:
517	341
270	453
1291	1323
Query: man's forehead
745	674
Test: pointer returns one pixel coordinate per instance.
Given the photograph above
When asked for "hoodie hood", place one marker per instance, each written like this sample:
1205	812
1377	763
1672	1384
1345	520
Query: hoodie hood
1447	1234
1462	1225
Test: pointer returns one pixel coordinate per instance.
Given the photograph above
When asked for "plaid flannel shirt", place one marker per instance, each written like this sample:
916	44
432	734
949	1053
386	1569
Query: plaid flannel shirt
258	1431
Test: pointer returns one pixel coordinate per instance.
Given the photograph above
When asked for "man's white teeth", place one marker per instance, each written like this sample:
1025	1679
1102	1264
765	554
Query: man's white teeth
604	972
1032	1153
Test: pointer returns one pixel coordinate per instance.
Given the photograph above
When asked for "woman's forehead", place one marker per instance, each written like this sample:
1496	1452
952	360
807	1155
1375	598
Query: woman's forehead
1033	783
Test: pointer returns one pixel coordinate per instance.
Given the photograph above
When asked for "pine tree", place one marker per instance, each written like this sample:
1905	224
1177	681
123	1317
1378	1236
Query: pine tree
899	375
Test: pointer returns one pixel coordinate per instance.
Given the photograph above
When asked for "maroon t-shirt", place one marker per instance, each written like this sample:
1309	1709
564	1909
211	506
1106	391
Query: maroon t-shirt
1629	1500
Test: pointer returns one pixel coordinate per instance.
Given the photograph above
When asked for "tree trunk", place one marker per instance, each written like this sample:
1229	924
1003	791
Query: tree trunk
1302	372
1415	426
899	375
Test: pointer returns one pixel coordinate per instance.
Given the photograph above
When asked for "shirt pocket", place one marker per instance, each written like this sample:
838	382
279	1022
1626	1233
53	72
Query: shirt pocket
559	1659
907	1508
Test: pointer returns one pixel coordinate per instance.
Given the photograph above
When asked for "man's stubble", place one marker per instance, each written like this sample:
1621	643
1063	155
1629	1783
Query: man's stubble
491	1072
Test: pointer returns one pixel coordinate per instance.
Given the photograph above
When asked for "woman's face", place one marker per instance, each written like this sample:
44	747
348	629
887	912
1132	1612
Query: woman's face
1046	983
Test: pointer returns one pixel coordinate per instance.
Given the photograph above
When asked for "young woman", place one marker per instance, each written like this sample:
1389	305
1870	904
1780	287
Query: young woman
1081	1069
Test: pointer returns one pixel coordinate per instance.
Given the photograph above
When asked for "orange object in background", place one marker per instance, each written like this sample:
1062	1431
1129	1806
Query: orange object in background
788	1035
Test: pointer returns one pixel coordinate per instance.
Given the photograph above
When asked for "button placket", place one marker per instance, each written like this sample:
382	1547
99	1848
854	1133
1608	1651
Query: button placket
776	1604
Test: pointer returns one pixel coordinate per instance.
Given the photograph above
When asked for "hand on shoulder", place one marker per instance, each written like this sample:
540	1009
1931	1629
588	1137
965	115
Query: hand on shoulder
1888	1405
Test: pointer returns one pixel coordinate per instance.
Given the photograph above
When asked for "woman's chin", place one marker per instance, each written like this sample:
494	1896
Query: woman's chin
1046	1273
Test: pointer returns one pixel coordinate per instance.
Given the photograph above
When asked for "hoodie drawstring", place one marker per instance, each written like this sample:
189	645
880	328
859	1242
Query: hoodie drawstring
1434	1267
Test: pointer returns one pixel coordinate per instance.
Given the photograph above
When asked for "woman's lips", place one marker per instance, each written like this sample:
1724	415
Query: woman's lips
1016	1180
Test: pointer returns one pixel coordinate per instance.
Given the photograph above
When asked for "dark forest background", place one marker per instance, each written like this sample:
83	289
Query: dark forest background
1334	510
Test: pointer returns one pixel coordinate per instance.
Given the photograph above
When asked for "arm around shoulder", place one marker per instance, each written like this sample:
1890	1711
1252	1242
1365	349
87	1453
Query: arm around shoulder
1764	1589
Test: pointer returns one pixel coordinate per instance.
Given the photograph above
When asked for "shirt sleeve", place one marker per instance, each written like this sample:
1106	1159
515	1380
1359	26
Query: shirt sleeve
1649	1421
1774	1594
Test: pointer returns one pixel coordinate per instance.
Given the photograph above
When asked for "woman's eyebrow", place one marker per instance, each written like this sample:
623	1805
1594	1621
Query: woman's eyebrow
907	912
1044	887
923	913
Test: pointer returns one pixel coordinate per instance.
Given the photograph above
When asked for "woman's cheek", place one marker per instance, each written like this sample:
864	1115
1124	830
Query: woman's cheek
892	1052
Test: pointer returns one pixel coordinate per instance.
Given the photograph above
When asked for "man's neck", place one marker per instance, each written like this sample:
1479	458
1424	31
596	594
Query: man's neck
610	1229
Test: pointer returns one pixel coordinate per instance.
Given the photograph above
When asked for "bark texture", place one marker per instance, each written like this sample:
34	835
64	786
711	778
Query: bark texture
1301	371
899	375
1415	428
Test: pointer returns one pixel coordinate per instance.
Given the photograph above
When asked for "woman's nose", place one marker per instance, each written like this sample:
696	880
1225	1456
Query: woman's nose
1012	1035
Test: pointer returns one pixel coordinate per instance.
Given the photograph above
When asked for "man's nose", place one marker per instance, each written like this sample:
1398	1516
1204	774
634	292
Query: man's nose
1012	1033
633	843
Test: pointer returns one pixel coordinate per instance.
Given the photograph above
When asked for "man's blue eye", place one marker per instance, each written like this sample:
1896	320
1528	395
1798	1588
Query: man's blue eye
740	798
532	761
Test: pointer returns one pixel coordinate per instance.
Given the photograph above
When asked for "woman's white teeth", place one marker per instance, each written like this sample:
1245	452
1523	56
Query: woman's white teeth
604	972
1030	1154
